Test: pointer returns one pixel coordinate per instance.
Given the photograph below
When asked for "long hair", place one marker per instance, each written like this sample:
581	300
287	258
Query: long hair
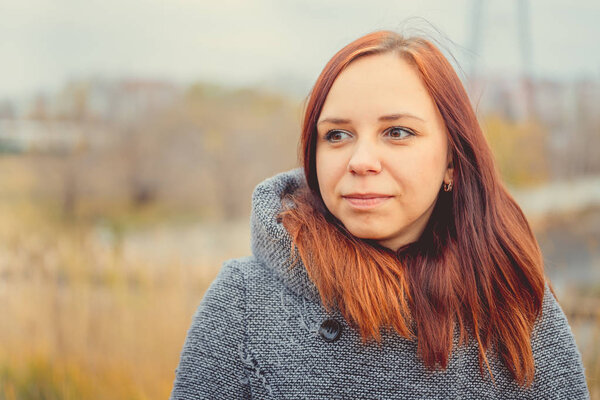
476	269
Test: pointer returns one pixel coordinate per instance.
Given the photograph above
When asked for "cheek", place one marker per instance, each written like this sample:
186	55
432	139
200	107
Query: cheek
321	169
328	172
431	168
420	172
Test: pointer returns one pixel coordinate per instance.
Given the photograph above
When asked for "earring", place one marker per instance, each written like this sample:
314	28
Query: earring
448	186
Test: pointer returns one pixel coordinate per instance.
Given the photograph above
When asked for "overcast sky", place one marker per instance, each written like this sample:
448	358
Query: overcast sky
43	43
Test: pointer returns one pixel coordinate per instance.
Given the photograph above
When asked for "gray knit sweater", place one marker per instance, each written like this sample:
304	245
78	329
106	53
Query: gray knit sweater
260	332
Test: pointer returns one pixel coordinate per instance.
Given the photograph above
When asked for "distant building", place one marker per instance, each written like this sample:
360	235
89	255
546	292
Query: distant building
120	101
82	114
22	135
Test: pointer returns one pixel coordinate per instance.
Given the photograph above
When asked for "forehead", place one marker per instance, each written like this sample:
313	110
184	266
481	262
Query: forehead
375	85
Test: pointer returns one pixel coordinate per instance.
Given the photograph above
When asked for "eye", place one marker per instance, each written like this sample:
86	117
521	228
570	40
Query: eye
336	136
398	132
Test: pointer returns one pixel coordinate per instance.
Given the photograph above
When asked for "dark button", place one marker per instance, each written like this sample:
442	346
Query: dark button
330	330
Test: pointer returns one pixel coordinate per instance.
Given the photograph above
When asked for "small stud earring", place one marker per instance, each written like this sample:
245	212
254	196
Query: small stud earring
448	186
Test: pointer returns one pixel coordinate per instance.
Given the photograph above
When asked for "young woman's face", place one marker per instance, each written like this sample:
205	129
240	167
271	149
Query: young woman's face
382	151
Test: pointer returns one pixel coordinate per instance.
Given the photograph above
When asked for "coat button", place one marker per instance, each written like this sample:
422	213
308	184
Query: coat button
330	330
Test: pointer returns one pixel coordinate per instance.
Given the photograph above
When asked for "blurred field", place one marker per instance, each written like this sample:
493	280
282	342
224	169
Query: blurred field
80	321
98	308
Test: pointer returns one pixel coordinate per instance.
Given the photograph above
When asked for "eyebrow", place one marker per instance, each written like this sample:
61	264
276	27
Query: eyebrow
390	117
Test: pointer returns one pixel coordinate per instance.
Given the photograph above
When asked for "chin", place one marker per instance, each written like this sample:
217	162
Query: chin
369	233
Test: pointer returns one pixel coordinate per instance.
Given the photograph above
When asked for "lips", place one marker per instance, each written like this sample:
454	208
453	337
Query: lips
365	201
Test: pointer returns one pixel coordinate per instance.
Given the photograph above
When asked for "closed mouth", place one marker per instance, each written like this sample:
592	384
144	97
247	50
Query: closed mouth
367	200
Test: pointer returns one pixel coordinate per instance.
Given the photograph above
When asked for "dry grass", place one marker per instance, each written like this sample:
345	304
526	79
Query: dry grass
79	320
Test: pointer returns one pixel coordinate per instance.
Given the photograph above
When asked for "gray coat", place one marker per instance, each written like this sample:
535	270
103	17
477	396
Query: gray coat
260	332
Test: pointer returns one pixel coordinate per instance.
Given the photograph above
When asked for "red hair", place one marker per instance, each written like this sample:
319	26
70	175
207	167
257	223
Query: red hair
477	266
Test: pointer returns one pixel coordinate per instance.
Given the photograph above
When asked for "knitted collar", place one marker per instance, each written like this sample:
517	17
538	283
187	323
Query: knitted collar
271	243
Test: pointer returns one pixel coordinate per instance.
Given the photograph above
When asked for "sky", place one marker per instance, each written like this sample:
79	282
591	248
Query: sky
280	43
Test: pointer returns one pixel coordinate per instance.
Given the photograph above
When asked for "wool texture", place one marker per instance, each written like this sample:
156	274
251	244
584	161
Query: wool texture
258	334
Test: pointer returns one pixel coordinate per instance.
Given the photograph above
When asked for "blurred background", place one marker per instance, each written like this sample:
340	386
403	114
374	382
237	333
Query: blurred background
133	132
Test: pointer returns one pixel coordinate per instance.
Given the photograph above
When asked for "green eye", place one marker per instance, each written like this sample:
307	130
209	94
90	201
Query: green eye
398	132
335	136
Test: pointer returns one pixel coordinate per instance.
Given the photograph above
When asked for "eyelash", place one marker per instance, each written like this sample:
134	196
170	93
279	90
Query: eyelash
329	134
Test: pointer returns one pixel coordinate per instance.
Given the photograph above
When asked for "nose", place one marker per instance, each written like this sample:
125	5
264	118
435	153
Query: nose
364	159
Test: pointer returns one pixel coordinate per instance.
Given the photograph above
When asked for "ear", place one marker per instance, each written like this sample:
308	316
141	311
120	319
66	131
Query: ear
449	175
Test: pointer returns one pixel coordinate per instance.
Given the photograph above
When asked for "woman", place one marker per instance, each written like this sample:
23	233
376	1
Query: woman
394	265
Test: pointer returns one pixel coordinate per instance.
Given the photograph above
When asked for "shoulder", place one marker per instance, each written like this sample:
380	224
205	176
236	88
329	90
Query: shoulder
552	323
234	279
229	283
238	271
559	367
223	303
